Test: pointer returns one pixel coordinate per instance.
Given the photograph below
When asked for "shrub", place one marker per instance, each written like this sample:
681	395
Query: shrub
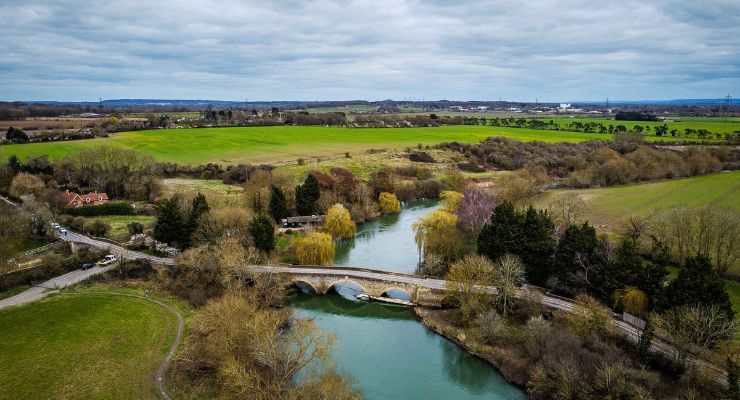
113	208
389	204
97	227
135	228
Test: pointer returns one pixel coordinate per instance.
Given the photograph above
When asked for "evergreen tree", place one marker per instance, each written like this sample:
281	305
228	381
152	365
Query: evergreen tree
627	270
576	246
278	205
502	234
697	284
537	245
306	196
198	207
14	164
169	227
263	232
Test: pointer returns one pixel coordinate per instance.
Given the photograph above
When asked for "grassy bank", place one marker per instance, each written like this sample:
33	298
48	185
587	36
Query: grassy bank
119	225
83	346
277	143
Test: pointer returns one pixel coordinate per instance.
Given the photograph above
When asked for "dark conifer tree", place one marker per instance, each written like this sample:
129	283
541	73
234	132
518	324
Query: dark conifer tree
278	205
697	284
170	227
198	207
306	196
576	247
502	234
263	233
14	164
537	245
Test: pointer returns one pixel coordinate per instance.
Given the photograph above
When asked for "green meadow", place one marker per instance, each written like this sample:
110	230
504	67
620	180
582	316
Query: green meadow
278	143
83	346
609	207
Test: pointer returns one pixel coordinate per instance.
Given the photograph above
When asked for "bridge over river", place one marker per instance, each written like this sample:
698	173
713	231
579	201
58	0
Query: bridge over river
420	289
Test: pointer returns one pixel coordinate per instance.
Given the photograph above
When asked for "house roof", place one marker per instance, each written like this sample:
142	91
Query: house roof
94	196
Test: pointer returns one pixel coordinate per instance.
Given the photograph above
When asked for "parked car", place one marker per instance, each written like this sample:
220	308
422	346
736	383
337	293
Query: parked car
87	266
63	231
108	260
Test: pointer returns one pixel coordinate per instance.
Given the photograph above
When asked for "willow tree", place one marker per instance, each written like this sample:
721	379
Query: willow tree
451	200
338	222
436	233
631	300
389	203
316	248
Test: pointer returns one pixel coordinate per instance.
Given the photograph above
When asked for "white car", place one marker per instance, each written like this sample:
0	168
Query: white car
63	231
108	260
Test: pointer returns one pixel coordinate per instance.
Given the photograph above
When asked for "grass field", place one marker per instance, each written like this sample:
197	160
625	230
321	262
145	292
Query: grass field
218	194
100	346
119	225
276	143
609	207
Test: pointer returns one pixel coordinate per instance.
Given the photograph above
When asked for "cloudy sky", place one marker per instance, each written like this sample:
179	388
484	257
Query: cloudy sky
377	49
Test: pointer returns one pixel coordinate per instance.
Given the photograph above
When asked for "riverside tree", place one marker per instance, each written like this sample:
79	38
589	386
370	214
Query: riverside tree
463	279
389	203
316	248
697	284
338	223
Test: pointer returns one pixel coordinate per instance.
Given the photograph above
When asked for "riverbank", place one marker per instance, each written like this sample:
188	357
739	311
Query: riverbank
513	367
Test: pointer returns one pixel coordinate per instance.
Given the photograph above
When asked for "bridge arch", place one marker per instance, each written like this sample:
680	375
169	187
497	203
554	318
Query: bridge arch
303	286
396	292
347	285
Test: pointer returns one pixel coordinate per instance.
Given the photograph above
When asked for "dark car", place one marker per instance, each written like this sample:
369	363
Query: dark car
87	266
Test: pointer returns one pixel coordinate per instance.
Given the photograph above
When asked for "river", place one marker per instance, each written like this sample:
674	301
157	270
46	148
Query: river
384	348
386	243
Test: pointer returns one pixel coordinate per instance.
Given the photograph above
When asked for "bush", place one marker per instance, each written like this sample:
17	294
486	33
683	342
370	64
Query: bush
97	228
315	249
113	208
135	228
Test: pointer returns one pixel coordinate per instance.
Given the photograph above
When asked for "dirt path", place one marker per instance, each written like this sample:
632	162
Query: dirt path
161	374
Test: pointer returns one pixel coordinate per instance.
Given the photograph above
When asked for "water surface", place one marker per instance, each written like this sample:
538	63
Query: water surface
386	243
393	356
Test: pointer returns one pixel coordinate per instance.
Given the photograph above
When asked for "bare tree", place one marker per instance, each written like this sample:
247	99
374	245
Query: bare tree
508	277
567	210
695	327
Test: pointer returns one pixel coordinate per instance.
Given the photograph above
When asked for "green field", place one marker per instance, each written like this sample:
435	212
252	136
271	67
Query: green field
119	225
711	124
82	346
608	207
276	143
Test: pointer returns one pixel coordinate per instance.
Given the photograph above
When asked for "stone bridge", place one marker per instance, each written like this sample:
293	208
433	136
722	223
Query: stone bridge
322	280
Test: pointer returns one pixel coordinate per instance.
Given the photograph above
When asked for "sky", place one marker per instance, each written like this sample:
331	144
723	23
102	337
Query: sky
70	50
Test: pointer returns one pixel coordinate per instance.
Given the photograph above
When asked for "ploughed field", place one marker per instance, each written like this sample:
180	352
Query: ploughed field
101	346
269	144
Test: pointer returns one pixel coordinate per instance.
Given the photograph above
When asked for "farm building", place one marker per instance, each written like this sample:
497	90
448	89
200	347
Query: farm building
301	221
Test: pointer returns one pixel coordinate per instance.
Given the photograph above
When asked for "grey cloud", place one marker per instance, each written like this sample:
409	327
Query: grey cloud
551	50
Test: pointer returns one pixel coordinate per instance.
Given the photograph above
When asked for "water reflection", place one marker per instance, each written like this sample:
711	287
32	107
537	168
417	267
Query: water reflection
386	243
392	356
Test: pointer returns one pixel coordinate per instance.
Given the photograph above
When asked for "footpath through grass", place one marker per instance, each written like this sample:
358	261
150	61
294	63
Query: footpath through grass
268	144
82	346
